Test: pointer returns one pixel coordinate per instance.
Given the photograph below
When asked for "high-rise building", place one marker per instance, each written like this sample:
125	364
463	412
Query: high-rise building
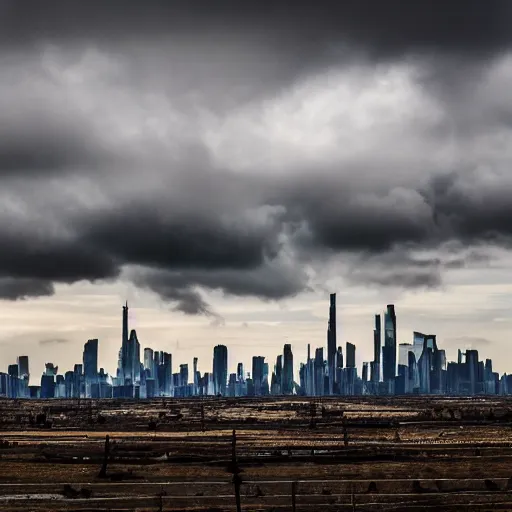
279	375
416	347
149	361
23	369
265	388
287	380
258	363
319	372
78	382
90	360
220	369
50	369
377	343
129	361
184	374
350	354
331	343
240	372
310	373
122	373
472	364
12	370
47	386
195	382
389	348
339	371
167	382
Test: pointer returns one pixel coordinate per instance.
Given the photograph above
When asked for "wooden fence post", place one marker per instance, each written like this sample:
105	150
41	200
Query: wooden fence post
237	480
294	496
103	471
233	448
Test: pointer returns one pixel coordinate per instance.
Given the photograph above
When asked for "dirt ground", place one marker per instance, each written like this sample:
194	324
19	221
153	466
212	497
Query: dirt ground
314	454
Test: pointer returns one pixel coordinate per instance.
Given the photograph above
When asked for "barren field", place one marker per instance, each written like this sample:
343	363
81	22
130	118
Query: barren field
286	454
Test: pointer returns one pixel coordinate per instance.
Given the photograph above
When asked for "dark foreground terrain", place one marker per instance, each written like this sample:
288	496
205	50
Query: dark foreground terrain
286	454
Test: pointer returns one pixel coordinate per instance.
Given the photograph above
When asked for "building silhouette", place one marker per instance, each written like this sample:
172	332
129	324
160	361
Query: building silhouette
287	380
331	343
422	369
220	369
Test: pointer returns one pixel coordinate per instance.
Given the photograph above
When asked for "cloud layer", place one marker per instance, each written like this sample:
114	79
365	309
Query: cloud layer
245	149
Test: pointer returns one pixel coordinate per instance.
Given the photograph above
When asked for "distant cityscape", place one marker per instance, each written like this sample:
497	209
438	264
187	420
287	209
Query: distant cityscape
422	369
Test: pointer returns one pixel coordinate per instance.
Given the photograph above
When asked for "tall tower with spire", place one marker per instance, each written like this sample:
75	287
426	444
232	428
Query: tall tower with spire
124	346
331	343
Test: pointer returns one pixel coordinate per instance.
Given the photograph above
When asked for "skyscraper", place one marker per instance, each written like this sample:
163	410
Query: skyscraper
319	366
339	371
472	363
287	380
310	374
377	342
240	372
24	375
279	375
183	378
122	373
90	360
365	373
23	369
196	382
350	354
258	363
220	369
12	370
331	343
148	361
131	368
165	381
389	349
350	371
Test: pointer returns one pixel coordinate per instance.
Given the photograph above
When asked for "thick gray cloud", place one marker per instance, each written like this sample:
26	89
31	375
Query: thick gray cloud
392	26
14	288
239	148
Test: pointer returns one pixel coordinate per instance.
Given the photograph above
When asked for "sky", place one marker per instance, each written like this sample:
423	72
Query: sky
225	165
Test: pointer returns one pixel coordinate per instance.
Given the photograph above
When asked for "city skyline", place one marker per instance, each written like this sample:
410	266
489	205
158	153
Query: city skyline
239	345
225	168
420	367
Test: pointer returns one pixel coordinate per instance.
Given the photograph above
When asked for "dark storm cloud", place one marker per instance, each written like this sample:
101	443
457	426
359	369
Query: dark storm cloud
384	27
182	250
467	207
471	207
270	281
15	288
189	301
240	233
355	221
28	255
142	235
